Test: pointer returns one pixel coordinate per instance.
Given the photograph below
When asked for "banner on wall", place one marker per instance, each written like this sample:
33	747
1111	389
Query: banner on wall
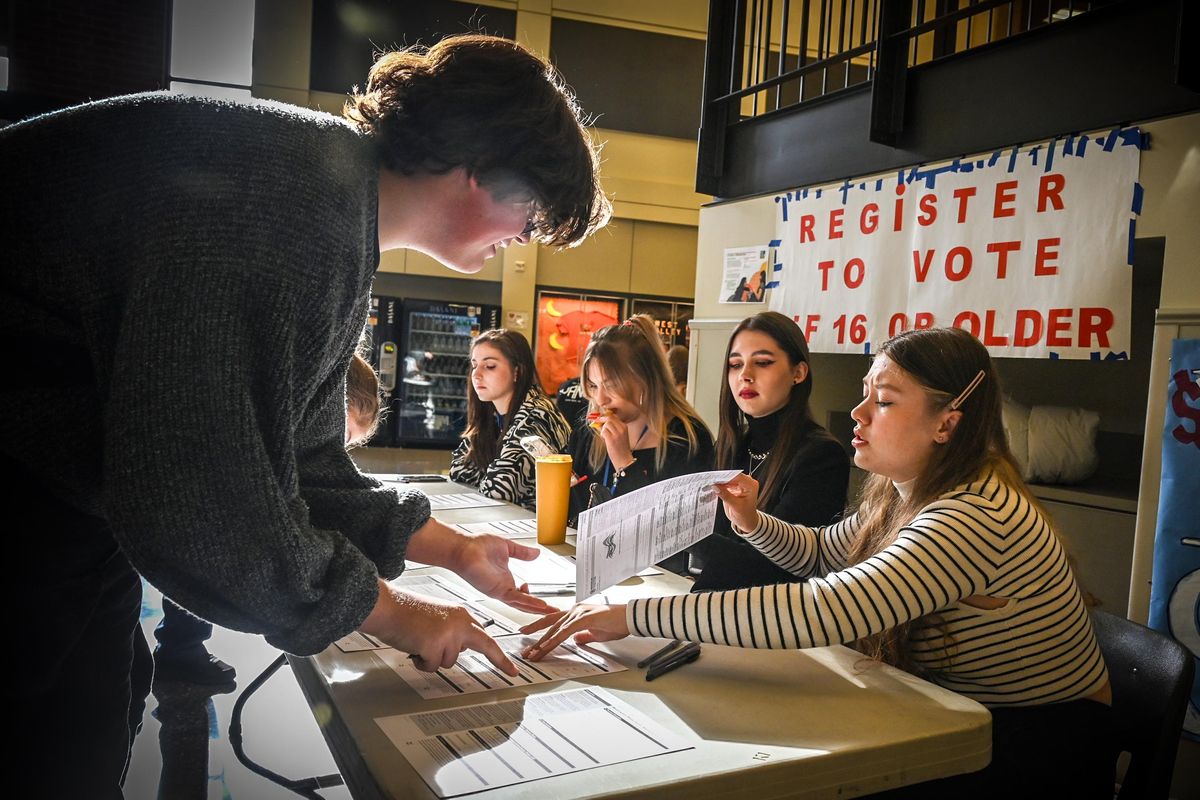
1175	587
1028	248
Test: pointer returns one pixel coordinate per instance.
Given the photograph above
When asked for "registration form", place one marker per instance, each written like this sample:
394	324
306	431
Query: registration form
472	748
624	535
443	502
472	672
432	586
507	528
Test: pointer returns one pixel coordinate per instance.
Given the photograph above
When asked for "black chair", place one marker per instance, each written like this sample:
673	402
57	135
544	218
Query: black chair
1151	678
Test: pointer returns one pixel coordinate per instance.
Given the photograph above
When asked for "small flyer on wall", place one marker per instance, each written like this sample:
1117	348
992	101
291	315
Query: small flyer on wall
745	278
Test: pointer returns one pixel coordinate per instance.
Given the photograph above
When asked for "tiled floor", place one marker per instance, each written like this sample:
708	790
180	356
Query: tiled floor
183	750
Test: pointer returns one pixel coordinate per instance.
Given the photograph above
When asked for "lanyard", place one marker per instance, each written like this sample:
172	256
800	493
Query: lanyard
612	485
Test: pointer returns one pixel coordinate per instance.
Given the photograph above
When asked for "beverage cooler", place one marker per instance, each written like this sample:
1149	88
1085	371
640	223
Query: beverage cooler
383	328
430	406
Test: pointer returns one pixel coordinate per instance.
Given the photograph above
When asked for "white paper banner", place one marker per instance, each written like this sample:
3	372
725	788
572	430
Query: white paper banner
1027	248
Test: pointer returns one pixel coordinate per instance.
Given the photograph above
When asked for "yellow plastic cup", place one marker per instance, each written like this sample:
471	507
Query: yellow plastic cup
552	486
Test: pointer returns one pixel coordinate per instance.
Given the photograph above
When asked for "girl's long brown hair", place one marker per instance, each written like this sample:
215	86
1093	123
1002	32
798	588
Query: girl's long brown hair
482	433
631	357
943	361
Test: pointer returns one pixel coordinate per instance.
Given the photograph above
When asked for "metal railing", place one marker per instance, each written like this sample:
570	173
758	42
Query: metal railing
771	56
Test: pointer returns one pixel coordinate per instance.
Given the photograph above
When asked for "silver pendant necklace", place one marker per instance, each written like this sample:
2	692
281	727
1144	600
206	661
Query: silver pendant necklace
756	460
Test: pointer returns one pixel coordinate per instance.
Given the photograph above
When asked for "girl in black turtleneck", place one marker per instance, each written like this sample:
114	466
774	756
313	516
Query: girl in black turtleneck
768	431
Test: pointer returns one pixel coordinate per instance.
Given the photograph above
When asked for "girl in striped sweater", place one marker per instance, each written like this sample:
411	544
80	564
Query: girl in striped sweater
949	569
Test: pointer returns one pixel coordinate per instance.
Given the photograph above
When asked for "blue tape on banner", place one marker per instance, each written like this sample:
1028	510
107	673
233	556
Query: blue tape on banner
773	284
775	243
1053	356
1138	195
818	194
1111	141
1132	233
1069	146
1083	141
782	206
995	157
879	185
777	267
1094	355
1012	160
1050	154
1133	136
867	349
845	190
1033	155
1111	356
968	167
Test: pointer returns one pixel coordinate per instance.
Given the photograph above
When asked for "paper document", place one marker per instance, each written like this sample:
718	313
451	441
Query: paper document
547	568
357	642
508	528
472	672
629	533
472	748
444	502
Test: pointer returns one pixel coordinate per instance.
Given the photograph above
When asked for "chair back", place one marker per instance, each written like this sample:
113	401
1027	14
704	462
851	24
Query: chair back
1151	678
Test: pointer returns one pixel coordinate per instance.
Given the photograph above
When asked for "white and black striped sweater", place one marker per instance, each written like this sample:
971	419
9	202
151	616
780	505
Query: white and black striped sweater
510	474
983	538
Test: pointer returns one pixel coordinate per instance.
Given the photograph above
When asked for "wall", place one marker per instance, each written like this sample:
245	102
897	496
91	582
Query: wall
1170	174
650	247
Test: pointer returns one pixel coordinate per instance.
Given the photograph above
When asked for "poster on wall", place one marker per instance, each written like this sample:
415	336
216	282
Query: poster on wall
1028	248
745	275
671	318
565	324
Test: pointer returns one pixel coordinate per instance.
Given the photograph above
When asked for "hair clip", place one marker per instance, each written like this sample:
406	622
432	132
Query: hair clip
962	398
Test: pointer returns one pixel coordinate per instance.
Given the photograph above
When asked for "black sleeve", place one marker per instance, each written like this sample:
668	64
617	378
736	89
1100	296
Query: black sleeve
815	493
579	447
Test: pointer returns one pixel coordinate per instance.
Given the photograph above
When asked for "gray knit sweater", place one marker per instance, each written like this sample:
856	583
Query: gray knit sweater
182	282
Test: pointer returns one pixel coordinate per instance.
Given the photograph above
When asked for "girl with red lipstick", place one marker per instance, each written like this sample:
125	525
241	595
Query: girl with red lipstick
504	405
767	430
643	431
948	569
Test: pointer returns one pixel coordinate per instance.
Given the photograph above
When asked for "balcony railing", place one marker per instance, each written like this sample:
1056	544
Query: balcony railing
767	57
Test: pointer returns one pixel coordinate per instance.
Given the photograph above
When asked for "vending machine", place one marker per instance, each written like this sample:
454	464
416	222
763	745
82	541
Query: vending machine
432	370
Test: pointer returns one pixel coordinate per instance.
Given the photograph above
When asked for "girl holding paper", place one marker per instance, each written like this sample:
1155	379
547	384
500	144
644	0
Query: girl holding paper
949	569
768	430
504	405
640	429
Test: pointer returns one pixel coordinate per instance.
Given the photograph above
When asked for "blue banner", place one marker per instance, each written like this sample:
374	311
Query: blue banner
1175	590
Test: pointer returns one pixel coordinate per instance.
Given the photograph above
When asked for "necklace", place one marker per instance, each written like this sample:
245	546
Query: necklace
756	460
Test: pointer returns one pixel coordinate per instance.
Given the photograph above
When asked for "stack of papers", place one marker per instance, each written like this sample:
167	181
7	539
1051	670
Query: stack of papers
471	748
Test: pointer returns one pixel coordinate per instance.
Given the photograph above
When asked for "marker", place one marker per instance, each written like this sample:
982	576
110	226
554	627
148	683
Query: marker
551	589
659	653
685	656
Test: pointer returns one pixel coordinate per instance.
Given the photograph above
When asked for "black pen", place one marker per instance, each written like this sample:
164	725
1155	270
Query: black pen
685	656
659	653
